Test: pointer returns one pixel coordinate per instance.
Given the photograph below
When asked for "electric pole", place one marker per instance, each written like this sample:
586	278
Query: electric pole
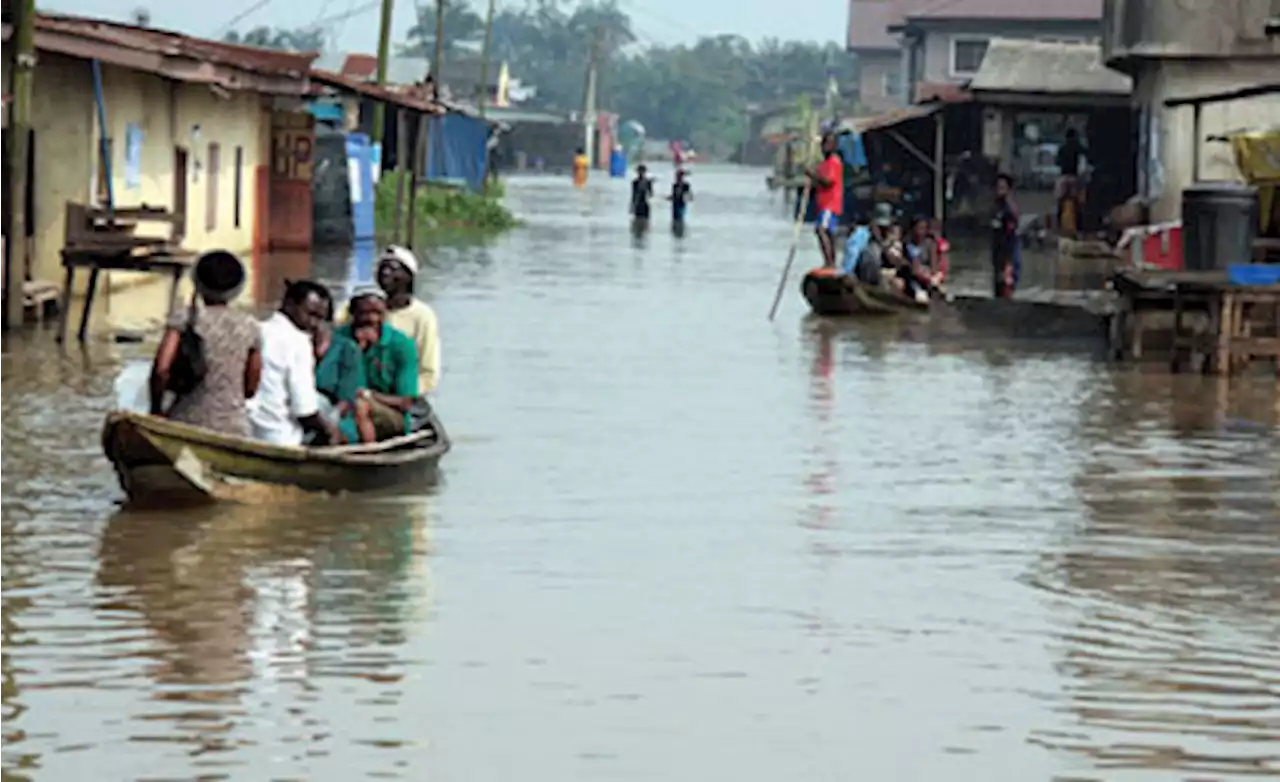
23	67
384	45
589	98
423	141
483	98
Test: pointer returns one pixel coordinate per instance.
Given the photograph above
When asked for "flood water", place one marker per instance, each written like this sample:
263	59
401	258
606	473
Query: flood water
673	542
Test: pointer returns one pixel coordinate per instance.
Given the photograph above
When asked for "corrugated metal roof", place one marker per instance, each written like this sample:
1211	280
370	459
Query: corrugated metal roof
1058	10
869	22
372	91
1047	68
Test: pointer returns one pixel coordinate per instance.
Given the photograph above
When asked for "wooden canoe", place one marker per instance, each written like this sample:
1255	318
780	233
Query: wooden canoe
165	463
832	293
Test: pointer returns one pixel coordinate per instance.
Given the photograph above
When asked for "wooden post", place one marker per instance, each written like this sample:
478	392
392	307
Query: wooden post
23	67
417	164
438	61
402	153
1195	142
939	169
384	46
483	98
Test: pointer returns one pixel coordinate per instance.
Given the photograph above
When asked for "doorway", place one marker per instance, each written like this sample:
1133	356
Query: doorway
180	193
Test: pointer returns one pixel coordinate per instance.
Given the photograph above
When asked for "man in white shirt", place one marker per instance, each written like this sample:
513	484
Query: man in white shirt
287	405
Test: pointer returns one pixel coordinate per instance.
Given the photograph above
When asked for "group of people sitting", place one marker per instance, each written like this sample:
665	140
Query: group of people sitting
877	253
304	375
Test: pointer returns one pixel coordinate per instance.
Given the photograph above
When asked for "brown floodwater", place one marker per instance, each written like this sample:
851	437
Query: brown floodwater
673	541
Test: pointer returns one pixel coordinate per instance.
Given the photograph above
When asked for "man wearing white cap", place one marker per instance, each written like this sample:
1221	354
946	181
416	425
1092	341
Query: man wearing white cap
397	267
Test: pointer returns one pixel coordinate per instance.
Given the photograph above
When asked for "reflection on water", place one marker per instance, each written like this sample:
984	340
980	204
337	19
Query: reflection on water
676	542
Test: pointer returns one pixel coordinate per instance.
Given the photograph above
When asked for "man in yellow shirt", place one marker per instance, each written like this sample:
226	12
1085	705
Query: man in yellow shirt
397	268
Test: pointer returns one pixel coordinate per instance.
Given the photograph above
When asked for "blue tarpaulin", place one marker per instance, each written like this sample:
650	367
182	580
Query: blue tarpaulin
360	173
458	149
852	150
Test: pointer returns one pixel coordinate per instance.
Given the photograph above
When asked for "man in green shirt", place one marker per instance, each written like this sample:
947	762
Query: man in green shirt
390	365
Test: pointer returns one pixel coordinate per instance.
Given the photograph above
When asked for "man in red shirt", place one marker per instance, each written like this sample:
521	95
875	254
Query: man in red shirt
828	183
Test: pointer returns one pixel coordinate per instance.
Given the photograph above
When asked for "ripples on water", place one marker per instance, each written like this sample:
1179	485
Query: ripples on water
673	542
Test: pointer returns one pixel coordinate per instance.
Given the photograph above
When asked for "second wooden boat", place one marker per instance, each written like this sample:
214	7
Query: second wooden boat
165	463
830	292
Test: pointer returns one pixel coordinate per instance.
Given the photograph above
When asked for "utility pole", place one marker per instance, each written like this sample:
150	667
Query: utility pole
384	46
424	124
23	67
589	98
483	98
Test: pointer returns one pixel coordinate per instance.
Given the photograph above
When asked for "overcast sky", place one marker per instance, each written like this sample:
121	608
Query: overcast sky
660	21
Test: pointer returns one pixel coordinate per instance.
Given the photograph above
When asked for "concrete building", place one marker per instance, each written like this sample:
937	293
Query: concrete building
189	127
1189	49
880	75
944	41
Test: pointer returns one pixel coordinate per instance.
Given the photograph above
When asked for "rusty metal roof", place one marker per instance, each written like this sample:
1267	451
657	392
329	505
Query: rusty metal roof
342	83
890	118
171	44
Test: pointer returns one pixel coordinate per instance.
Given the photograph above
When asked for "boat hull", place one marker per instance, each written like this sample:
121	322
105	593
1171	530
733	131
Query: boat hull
829	293
166	463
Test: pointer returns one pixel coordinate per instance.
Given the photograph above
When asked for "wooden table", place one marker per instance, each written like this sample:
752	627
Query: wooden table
99	259
1230	343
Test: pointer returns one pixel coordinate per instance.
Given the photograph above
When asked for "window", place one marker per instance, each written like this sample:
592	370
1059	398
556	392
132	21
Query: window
893	83
213	164
239	179
966	55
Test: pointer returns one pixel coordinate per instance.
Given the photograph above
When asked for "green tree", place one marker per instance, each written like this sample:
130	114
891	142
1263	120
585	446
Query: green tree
463	29
303	39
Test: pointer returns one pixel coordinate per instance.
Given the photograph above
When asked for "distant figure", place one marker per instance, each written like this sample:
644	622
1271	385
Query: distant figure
1070	155
872	258
828	181
581	163
677	154
858	240
231	348
681	195
1006	250
641	192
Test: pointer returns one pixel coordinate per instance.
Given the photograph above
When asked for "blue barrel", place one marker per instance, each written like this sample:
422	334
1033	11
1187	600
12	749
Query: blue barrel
617	164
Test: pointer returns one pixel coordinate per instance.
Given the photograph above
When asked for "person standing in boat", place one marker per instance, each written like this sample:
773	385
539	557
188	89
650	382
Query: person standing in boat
1006	249
286	409
230	342
390	365
397	271
828	183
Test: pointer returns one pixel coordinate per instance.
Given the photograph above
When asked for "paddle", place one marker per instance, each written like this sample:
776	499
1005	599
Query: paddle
804	205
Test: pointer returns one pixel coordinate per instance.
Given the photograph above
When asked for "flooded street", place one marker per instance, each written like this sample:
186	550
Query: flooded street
673	541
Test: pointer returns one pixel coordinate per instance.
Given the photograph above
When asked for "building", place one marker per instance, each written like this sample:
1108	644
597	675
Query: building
944	41
205	129
881	86
1188	49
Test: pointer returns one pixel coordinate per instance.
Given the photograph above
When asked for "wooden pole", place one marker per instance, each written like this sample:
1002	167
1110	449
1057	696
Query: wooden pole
483	98
402	156
22	67
384	46
422	142
939	171
804	205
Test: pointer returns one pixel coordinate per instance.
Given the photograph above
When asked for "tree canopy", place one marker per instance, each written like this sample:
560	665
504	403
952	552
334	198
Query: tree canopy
700	91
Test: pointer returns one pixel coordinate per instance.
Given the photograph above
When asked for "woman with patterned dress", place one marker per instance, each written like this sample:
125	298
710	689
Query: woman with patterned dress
231	343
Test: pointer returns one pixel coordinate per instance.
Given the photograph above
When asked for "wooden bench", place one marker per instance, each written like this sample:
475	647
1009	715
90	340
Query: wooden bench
1244	325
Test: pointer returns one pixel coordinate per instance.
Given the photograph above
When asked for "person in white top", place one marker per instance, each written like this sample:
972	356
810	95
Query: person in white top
287	405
